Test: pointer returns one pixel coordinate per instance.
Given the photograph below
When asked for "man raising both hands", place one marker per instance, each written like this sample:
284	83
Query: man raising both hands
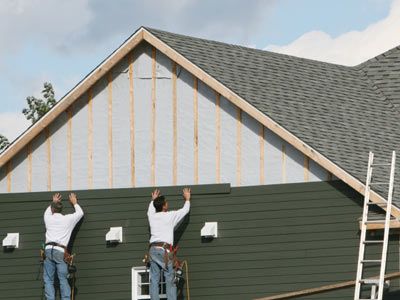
59	228
162	225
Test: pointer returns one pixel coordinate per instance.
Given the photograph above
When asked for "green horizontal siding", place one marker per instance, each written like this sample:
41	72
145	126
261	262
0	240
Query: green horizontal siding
272	239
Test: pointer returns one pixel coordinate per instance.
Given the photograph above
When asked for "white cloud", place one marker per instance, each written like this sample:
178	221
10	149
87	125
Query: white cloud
13	124
54	23
350	48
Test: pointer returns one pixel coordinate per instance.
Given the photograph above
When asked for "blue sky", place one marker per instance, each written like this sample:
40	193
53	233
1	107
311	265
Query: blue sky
61	41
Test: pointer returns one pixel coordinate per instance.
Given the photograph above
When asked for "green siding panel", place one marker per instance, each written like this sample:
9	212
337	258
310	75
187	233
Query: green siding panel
272	239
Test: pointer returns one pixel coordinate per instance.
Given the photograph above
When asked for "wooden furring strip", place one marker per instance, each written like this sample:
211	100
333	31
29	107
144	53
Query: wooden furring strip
218	137
262	150
48	154
284	159
196	129
69	147
29	155
238	146
132	119
174	126
323	289
90	138
110	131
306	168
9	175
153	115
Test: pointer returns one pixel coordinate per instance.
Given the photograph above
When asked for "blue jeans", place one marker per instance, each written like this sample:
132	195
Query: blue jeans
55	262
156	264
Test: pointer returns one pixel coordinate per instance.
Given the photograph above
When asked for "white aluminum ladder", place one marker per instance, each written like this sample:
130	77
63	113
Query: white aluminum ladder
376	285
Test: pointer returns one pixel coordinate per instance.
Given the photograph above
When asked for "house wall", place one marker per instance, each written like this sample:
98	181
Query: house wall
272	239
150	122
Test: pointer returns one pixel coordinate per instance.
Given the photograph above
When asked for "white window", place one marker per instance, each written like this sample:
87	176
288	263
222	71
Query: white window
141	284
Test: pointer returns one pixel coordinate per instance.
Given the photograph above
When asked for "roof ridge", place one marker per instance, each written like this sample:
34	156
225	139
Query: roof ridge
378	91
261	51
377	58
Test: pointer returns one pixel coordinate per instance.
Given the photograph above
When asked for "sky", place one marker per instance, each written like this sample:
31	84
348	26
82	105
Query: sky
62	41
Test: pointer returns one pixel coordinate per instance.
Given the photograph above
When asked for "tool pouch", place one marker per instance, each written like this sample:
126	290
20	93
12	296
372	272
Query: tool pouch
42	255
68	258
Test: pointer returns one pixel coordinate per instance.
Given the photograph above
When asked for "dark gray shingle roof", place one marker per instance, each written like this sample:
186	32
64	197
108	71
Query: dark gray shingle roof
335	109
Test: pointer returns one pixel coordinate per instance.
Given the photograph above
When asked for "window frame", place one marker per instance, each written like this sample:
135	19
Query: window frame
135	284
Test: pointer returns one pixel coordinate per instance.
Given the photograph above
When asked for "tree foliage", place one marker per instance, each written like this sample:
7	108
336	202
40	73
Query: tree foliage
4	143
37	108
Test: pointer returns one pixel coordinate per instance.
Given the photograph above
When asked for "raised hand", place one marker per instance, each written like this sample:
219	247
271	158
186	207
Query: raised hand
186	192
57	197
72	199
155	194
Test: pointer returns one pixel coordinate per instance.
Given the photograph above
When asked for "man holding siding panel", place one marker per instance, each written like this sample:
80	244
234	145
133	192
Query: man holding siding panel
162	225
59	228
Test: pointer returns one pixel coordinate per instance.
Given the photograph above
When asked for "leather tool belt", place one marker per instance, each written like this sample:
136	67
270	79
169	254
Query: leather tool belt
68	258
166	246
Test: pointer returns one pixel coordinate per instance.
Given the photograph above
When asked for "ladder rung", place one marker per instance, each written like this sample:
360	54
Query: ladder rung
373	242
380	203
375	222
379	221
381	164
370	281
371	261
379	183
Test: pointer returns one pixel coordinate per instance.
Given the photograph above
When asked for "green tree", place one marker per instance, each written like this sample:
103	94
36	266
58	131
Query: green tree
37	108
4	143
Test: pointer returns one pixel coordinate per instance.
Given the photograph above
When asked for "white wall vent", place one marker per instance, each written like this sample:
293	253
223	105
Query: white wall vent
11	240
114	235
210	230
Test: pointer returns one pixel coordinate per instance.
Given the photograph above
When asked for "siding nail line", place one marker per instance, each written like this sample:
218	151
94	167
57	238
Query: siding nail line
69	158
174	126
132	120
196	131
29	155
238	146
90	138
262	150
218	137
153	116
110	135
48	154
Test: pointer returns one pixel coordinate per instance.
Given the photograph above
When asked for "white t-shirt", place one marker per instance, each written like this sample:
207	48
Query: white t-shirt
162	224
59	227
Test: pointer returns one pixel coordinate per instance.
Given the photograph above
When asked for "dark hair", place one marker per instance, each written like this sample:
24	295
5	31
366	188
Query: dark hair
56	207
159	203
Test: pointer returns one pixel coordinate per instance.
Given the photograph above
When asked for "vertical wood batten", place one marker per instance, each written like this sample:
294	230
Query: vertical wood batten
29	155
306	168
238	146
174	126
262	149
48	154
110	136
90	138
218	137
9	175
196	129
153	116
284	158
132	119
69	147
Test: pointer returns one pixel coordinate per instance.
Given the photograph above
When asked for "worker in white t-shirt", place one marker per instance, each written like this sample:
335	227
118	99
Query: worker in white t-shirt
162	225
59	228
